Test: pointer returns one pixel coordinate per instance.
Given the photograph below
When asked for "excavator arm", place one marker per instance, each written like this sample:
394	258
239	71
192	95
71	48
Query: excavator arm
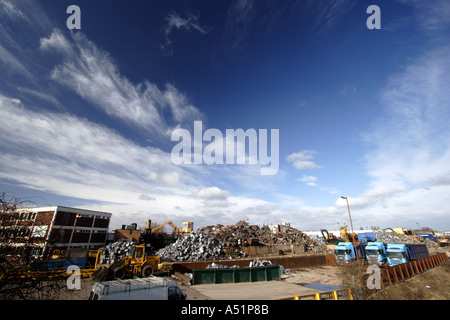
171	224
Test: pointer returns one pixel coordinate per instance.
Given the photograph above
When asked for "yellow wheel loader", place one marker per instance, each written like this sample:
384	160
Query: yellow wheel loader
137	263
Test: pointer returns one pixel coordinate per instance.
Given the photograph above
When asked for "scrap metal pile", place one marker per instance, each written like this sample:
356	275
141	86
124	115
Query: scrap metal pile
195	246
215	242
252	264
242	234
116	251
392	237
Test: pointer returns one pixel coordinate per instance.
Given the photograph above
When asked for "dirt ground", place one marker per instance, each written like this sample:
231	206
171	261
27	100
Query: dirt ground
433	284
328	275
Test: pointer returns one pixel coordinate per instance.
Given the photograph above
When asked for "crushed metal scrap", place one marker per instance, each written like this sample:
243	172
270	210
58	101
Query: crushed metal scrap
217	241
243	234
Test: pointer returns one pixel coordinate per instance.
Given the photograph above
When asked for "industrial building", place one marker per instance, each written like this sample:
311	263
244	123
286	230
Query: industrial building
58	227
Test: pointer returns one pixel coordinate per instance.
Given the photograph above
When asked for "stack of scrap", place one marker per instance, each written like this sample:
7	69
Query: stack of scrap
243	234
195	246
393	237
252	264
116	251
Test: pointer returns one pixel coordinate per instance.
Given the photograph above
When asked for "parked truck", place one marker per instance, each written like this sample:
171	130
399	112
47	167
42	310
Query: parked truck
398	253
345	252
376	253
150	288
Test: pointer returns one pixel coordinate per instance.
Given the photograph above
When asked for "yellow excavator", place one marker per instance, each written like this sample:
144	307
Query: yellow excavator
348	236
329	237
178	231
186	228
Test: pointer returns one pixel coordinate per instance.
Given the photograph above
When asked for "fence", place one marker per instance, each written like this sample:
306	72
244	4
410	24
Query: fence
342	294
393	274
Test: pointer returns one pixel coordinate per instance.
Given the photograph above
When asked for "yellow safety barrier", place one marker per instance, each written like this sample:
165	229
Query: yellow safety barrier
326	295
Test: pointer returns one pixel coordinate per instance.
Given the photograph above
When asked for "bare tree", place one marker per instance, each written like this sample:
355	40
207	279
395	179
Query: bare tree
22	258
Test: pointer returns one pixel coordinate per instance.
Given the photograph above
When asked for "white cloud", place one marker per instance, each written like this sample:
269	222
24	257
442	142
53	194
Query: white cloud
44	146
409	164
64	155
309	180
11	10
188	23
12	63
212	193
313	182
330	13
239	18
91	73
302	160
412	141
347	90
432	15
56	41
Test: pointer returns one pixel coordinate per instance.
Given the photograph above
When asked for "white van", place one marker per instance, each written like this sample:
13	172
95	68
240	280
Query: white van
151	288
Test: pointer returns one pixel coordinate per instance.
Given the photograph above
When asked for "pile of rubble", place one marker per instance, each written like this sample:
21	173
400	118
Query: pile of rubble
195	246
252	264
242	234
392	237
116	251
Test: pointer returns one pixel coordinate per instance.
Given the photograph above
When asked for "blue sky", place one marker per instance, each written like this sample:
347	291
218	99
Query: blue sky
87	115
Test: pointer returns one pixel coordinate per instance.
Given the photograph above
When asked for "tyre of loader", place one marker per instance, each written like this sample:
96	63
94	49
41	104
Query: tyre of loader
147	271
119	273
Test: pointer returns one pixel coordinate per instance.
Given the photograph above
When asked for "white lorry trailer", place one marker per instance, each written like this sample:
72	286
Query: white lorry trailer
150	288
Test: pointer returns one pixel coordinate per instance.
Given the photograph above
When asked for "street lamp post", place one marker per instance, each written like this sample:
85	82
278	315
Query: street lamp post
353	241
349	215
351	225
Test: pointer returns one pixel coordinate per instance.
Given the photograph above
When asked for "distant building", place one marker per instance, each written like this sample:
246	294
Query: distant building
56	227
129	232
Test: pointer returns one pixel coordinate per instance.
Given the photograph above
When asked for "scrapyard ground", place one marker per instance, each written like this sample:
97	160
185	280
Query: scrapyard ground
299	282
433	284
290	285
304	281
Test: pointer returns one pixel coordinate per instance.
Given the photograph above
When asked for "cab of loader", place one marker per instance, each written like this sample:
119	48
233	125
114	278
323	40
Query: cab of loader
137	253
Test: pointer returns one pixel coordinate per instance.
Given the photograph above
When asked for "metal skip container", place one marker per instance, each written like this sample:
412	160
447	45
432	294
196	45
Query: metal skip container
235	275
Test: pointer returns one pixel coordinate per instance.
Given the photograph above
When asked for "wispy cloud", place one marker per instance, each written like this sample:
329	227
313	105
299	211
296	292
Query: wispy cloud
303	159
330	13
413	140
432	15
10	10
347	90
408	164
309	180
239	18
91	73
177	22
314	182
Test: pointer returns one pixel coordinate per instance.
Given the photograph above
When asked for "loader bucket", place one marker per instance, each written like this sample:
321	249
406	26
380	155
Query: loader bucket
101	274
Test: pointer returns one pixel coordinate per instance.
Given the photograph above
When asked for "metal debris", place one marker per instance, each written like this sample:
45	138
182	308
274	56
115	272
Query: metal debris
242	234
115	251
252	264
195	246
393	237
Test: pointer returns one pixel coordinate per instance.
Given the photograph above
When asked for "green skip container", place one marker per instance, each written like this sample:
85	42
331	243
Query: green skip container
235	275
